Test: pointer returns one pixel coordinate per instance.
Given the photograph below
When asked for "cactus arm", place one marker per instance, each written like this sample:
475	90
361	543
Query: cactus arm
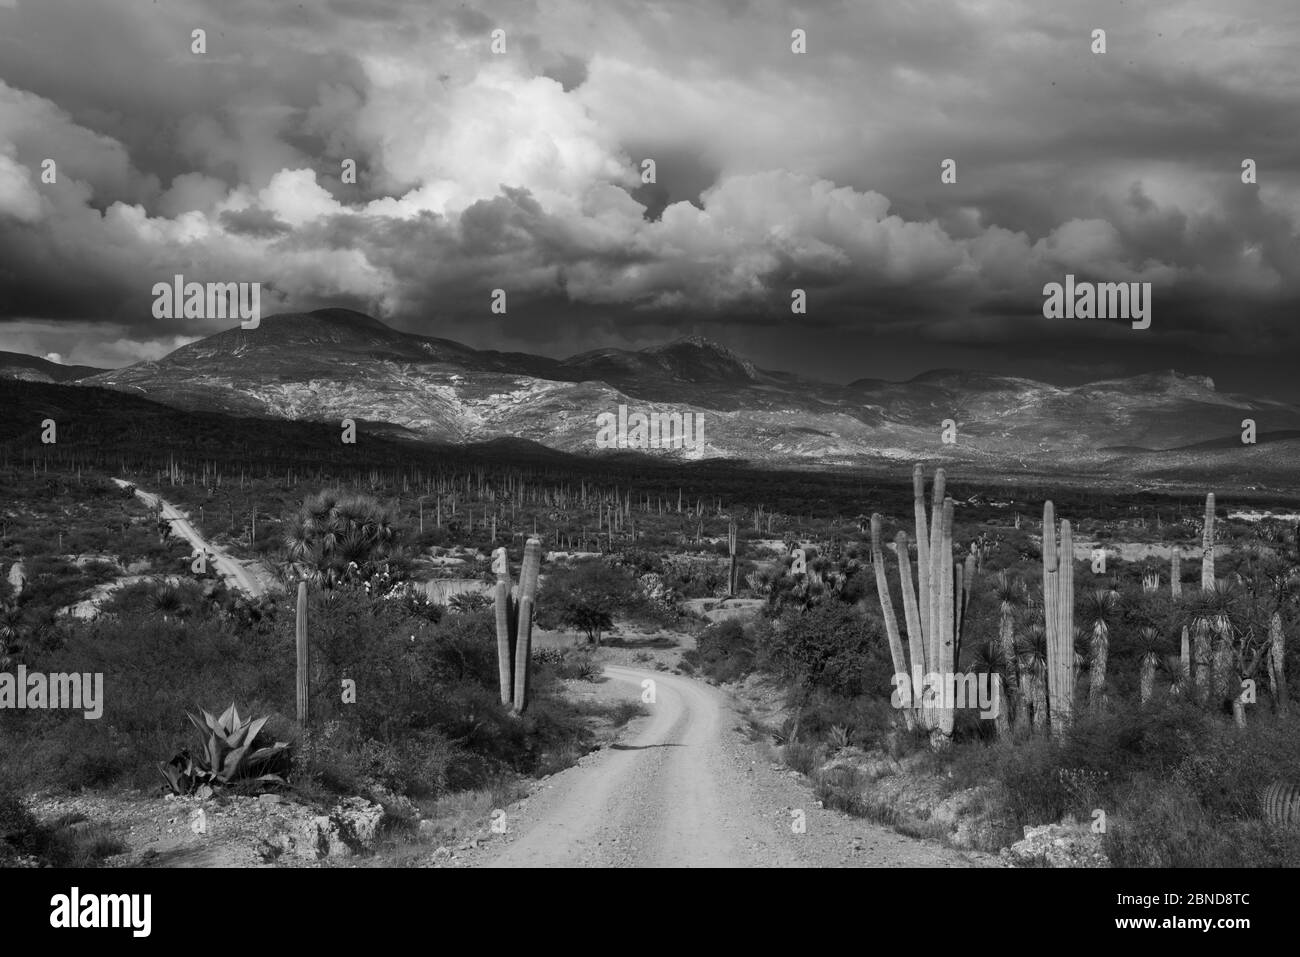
505	647
528	574
922	559
887	610
947	666
936	583
1065	631
303	660
1277	664
1050	622
911	612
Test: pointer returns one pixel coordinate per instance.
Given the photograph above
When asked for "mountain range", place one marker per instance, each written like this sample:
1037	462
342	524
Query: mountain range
333	364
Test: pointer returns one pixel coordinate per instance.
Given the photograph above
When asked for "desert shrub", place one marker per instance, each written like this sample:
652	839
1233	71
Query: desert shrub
340	758
427	716
841	788
865	719
828	646
19	829
577	663
802	756
723	652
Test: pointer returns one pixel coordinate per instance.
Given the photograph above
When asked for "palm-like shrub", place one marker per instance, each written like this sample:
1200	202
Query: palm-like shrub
336	538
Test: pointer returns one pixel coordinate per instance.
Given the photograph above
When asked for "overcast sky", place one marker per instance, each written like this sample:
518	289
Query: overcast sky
775	170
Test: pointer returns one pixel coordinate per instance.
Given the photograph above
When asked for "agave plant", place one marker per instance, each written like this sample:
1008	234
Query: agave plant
227	755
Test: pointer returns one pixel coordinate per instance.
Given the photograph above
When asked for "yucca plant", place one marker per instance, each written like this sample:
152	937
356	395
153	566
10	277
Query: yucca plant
1149	648
1031	661
227	755
1099	611
1010	595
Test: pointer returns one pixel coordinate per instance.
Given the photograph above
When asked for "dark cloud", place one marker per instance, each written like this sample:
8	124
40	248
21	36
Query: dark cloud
253	222
774	171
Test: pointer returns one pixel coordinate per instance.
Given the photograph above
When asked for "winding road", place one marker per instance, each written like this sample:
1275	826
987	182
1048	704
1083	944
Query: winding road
235	574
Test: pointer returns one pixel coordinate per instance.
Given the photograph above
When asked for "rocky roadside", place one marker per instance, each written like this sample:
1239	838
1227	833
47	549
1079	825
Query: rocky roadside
224	831
902	795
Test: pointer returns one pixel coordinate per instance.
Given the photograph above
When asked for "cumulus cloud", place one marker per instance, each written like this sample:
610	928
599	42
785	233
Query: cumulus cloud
776	170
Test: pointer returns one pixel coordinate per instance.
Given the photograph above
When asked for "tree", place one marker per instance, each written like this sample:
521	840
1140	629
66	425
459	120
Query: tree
586	595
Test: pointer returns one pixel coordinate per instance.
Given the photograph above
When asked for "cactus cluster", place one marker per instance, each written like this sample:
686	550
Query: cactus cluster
934	611
514	610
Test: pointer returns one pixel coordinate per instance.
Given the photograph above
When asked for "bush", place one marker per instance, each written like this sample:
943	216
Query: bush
829	646
723	652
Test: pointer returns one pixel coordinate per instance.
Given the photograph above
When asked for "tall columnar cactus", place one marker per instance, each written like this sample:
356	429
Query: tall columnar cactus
922	555
528	573
934	608
1207	545
911	608
1058	618
1051	584
506	624
1277	664
1065	608
937	590
1175	573
514	614
731	549
300	639
946	635
972	568
887	609
959	605
917	601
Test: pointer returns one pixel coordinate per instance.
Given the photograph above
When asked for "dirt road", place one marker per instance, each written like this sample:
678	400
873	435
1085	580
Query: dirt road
230	568
687	788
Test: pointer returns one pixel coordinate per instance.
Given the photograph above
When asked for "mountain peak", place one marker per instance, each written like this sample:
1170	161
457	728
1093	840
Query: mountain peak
348	316
699	351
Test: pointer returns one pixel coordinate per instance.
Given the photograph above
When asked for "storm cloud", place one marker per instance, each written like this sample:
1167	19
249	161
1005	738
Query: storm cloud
775	170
